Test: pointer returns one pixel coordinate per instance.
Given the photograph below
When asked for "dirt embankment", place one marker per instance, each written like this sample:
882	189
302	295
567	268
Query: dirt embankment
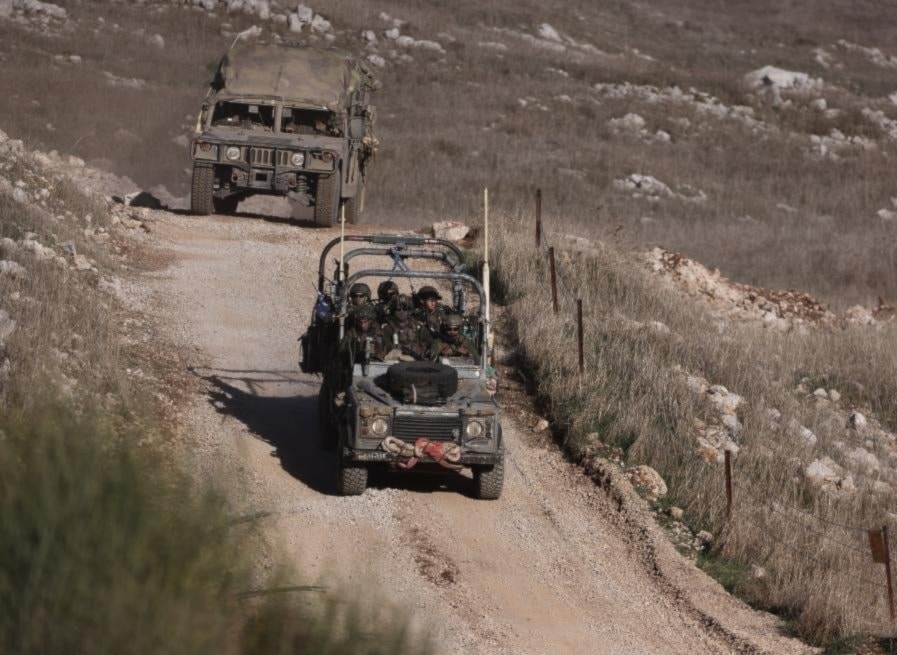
557	565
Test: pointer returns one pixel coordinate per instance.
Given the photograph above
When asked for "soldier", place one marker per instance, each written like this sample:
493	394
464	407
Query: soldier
386	292
451	342
359	294
403	333
363	327
362	334
429	312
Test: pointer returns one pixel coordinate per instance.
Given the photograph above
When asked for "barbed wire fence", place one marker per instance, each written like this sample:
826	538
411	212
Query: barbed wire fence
765	506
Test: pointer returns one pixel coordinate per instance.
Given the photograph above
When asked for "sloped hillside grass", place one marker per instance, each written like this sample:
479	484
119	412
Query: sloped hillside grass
106	544
641	341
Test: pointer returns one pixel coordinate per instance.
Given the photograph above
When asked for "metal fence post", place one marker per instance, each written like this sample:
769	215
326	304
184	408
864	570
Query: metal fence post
538	218
554	280
579	334
728	459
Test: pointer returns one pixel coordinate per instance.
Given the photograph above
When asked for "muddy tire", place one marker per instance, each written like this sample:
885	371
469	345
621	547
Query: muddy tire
488	481
352	480
327	200
201	200
353	204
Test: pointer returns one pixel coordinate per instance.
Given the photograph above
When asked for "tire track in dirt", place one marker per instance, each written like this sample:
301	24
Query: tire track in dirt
555	566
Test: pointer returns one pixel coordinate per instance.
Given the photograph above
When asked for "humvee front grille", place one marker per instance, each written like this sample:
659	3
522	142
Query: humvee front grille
283	157
410	428
261	156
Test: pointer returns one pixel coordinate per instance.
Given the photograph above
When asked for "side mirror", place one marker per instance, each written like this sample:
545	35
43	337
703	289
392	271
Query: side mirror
357	127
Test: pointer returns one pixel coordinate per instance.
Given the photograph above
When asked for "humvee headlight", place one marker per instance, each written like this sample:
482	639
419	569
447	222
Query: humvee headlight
297	159
380	427
474	429
232	153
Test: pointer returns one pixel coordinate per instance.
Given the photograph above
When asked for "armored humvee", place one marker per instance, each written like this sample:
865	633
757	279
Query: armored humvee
402	414
285	120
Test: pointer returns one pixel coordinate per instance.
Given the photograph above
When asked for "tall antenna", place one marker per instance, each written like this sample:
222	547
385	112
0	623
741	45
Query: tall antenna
486	313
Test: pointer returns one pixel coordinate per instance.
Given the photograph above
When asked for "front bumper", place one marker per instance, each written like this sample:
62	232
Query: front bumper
383	457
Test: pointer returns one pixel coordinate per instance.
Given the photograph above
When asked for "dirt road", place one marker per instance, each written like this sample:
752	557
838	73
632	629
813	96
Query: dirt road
556	566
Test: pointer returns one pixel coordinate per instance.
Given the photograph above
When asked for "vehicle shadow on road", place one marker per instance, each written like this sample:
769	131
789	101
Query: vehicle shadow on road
279	408
268	218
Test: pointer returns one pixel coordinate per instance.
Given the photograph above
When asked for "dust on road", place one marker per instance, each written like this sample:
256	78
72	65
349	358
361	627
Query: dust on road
555	566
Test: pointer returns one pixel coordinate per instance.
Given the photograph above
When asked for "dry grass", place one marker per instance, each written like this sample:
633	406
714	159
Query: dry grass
634	396
106	544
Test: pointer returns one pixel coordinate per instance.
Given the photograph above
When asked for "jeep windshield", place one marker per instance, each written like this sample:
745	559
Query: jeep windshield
244	115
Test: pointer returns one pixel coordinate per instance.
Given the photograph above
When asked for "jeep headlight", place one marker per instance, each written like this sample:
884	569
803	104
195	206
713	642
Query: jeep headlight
232	153
474	429
297	159
380	427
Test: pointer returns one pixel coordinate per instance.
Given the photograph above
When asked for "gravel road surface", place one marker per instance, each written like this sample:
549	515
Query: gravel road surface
558	565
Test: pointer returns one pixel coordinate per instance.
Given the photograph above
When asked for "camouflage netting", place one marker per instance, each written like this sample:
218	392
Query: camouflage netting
320	78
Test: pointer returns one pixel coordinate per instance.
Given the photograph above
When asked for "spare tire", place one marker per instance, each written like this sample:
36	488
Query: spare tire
422	383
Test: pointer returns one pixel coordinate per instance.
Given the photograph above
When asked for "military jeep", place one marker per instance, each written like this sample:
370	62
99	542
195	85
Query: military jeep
292	121
406	415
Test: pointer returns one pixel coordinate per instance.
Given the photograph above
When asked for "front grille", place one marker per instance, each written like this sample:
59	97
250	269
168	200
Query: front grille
410	428
283	157
261	156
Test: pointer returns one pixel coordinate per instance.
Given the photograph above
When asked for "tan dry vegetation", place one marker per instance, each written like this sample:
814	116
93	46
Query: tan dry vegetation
634	396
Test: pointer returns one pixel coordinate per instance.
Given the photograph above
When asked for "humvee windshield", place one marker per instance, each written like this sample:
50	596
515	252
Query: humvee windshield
307	121
244	115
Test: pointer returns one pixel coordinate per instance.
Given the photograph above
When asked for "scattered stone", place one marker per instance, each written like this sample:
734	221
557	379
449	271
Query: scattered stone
856	421
649	480
450	230
757	572
541	425
821	393
7	325
676	513
834	395
12	269
705	538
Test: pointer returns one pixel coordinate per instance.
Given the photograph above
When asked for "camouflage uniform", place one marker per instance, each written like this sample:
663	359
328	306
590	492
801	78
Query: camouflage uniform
451	342
403	332
354	343
432	320
387	292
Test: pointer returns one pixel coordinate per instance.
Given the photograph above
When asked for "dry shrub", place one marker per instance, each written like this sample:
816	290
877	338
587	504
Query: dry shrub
634	396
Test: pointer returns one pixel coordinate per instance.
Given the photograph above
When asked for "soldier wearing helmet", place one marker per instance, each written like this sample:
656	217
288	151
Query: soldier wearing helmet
386	293
359	294
429	311
451	341
404	333
363	334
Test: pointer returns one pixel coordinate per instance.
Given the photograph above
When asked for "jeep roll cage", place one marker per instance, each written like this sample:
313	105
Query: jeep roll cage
397	248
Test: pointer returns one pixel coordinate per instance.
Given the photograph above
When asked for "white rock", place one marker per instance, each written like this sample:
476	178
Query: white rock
547	32
541	425
821	393
392	33
404	41
823	470
295	23
863	459
704	537
377	60
450	230
649	480
369	36
305	14
12	269
856	421
320	24
158	41
7	325
37	7
19	196
779	78
834	395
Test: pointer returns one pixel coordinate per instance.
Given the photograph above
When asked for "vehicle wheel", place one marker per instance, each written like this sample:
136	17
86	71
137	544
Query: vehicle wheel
422	383
327	200
352	480
328	431
489	480
227	205
201	200
353	204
